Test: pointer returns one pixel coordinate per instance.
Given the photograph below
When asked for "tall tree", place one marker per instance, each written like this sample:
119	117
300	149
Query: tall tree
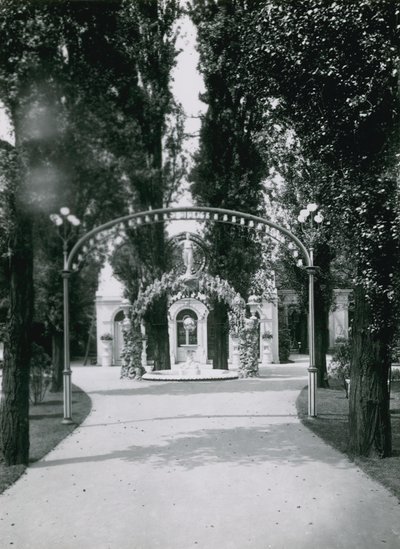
22	80
333	68
76	98
293	183
107	110
150	26
17	263
228	168
68	160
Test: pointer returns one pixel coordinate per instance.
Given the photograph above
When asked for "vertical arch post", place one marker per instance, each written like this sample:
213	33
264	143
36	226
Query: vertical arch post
312	370
67	382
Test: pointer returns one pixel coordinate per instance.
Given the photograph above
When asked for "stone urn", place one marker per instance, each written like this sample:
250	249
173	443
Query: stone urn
106	358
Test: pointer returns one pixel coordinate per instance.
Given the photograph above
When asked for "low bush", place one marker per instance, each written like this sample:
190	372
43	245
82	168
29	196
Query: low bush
40	374
339	367
284	343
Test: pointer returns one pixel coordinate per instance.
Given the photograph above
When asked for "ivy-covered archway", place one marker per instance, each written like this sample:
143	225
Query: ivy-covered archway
204	288
207	287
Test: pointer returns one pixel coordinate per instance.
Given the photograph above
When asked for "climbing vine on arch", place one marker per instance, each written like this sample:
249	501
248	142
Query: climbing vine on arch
205	289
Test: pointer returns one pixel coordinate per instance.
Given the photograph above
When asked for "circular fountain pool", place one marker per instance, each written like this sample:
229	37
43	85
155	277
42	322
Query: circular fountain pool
187	375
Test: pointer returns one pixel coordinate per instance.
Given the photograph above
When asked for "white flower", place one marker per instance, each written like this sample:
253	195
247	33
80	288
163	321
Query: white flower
64	211
319	218
56	219
312	207
73	220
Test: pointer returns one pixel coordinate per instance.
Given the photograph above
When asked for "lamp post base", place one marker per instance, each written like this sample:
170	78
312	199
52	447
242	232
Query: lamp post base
67	390
312	384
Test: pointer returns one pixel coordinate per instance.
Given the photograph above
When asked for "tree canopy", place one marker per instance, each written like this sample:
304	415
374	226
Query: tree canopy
87	91
329	70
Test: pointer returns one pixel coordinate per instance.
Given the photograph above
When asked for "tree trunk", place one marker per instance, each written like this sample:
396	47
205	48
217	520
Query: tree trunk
57	349
14	416
323	295
321	336
220	360
370	428
160	336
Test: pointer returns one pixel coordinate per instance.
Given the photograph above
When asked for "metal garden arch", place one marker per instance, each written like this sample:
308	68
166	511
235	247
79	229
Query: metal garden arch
205	214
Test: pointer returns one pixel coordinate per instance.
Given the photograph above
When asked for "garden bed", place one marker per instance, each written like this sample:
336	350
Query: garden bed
333	427
46	429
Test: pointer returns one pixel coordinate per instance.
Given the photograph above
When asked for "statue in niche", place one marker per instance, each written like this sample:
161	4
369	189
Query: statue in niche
188	256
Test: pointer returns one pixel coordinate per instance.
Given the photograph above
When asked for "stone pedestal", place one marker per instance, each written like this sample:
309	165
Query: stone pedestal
235	353
266	352
106	355
189	367
144	352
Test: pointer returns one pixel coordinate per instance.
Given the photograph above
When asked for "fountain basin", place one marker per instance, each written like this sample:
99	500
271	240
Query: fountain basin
202	375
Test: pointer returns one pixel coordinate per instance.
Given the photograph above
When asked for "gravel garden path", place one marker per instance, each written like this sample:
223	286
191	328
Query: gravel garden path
210	465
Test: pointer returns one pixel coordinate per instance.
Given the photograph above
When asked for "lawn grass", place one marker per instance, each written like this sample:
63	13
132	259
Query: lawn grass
333	427
46	429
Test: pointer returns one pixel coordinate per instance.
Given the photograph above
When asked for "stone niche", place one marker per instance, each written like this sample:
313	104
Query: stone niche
180	342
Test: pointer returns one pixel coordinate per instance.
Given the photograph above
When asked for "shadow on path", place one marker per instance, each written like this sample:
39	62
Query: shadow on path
289	443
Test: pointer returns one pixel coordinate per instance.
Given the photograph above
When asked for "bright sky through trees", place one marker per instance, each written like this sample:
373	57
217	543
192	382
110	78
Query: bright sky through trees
188	82
6	132
186	86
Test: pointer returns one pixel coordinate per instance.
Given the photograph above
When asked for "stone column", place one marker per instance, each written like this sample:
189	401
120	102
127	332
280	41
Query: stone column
235	352
144	345
202	339
172	340
275	330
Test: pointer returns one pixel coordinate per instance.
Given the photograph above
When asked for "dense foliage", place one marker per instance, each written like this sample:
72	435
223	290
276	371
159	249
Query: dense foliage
207	289
248	349
303	94
86	90
40	374
131	355
329	71
339	367
228	167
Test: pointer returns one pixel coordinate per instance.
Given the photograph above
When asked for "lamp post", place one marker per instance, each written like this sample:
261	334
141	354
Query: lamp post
310	220
65	222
